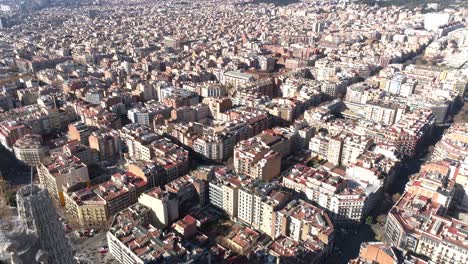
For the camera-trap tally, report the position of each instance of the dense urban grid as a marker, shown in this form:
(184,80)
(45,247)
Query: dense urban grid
(233,131)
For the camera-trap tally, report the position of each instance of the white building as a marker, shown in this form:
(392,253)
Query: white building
(164,207)
(145,115)
(433,21)
(346,201)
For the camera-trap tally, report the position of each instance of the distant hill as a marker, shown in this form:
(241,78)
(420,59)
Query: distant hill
(417,3)
(275,2)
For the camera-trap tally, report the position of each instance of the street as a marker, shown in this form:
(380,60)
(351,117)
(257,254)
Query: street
(88,248)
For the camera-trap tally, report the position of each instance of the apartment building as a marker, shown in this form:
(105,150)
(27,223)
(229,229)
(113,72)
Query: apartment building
(11,131)
(335,149)
(96,116)
(278,139)
(243,241)
(137,139)
(79,131)
(144,115)
(414,224)
(86,154)
(359,93)
(176,98)
(194,113)
(223,191)
(207,89)
(437,181)
(42,119)
(215,145)
(94,206)
(408,134)
(150,171)
(253,158)
(302,222)
(319,145)
(453,143)
(257,201)
(257,119)
(163,204)
(283,110)
(383,112)
(353,146)
(85,208)
(106,142)
(236,78)
(372,167)
(190,192)
(61,170)
(173,159)
(30,149)
(217,105)
(345,200)
(230,190)
(127,247)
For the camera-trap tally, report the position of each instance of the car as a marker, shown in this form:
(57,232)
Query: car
(103,250)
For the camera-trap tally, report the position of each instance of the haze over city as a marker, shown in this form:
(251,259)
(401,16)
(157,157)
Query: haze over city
(233,131)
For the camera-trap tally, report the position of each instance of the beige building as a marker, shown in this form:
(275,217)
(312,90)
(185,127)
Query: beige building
(61,170)
(106,143)
(302,223)
(283,110)
(79,131)
(86,207)
(243,241)
(335,147)
(453,144)
(319,145)
(163,205)
(257,203)
(230,197)
(254,159)
(353,146)
(223,192)
(94,206)
(236,78)
(383,112)
(30,149)
(138,140)
(216,146)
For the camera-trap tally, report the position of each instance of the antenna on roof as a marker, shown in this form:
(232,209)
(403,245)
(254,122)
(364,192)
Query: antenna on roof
(30,198)
(120,154)
(32,175)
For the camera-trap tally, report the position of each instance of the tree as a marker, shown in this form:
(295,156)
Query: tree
(430,149)
(7,193)
(396,197)
(381,219)
(379,235)
(4,208)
